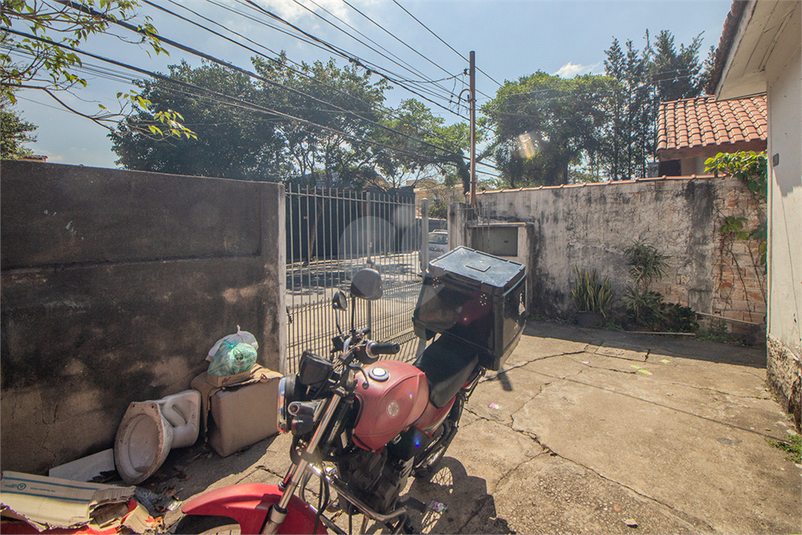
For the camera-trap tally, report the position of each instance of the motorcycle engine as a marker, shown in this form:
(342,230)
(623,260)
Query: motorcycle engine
(375,478)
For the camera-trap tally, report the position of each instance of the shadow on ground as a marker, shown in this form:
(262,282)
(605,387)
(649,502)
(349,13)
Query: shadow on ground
(664,344)
(468,506)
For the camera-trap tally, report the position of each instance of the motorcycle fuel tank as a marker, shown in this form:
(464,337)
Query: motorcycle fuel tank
(396,396)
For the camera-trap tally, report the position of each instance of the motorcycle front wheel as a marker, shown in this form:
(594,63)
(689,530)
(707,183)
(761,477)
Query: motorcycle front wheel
(207,525)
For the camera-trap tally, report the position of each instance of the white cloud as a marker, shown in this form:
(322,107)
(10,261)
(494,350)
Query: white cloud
(569,70)
(293,12)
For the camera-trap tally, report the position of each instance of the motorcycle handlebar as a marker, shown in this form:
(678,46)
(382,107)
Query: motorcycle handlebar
(383,348)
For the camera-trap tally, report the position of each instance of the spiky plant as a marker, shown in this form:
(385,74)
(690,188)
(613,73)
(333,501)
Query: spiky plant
(589,294)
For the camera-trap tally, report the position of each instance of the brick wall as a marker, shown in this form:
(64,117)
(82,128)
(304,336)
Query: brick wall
(739,278)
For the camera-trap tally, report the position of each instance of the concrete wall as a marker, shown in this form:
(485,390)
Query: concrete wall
(784,99)
(590,225)
(115,284)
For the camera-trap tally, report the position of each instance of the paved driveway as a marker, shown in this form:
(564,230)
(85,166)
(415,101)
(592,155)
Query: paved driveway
(590,431)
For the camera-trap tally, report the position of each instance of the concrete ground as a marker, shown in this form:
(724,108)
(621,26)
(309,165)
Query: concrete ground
(588,431)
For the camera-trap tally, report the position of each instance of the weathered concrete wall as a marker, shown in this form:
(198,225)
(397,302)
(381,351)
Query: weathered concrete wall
(591,225)
(115,284)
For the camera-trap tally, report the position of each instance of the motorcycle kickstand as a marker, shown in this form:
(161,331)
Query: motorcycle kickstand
(403,526)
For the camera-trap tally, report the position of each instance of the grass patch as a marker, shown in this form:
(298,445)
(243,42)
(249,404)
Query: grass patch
(793,446)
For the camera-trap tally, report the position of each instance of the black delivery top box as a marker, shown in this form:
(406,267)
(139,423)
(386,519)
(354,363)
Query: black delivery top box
(476,298)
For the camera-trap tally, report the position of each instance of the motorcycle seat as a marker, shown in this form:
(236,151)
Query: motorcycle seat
(447,365)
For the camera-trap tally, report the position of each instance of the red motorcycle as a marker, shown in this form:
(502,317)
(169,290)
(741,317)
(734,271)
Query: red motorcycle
(362,425)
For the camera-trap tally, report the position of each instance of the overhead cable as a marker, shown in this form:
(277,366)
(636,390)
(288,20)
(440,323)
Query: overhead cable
(441,40)
(234,101)
(301,73)
(254,75)
(401,63)
(350,57)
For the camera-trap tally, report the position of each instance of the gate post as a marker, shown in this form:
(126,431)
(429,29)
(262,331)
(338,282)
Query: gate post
(424,233)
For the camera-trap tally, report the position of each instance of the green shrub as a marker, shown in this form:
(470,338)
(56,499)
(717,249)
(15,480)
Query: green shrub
(589,294)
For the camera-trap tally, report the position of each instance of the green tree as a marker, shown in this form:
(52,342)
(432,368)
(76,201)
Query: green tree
(232,140)
(337,109)
(676,74)
(428,147)
(15,133)
(309,124)
(55,24)
(545,124)
(659,73)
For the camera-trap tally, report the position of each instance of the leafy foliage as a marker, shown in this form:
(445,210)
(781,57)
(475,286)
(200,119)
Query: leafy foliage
(229,140)
(750,228)
(308,125)
(678,318)
(550,130)
(646,307)
(749,167)
(589,294)
(643,307)
(55,25)
(645,264)
(793,446)
(15,133)
(644,79)
(51,65)
(544,124)
(677,74)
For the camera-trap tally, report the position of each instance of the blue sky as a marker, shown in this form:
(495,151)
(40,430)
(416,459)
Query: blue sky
(511,38)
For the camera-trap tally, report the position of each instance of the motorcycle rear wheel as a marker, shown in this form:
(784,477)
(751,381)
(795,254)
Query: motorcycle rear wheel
(207,525)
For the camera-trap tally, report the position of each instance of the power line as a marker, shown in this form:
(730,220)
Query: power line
(213,59)
(405,65)
(391,34)
(387,110)
(244,71)
(442,41)
(350,57)
(301,73)
(229,100)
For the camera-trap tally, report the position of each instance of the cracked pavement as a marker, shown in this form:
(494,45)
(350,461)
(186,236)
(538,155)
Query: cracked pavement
(590,431)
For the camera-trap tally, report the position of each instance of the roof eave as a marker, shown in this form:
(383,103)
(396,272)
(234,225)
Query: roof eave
(734,28)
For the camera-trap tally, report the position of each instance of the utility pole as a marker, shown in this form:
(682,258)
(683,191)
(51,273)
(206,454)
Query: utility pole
(472,98)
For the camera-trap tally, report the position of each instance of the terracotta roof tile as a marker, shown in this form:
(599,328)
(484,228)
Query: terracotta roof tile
(705,122)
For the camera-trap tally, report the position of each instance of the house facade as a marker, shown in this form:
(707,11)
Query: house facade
(761,52)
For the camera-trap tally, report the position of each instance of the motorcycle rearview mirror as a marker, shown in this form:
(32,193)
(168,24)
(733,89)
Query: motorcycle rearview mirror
(339,301)
(367,284)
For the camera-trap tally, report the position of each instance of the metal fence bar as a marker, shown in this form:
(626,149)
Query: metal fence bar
(331,235)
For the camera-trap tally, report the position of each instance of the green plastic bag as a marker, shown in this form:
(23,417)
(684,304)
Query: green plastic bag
(232,358)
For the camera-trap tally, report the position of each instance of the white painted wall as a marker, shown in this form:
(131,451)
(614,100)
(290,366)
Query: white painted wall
(784,90)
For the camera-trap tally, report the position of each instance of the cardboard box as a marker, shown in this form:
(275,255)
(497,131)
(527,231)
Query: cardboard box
(229,379)
(243,415)
(49,502)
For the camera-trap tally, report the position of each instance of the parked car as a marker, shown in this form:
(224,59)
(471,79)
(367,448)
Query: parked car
(437,243)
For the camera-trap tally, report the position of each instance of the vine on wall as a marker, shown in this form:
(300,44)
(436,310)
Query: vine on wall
(743,234)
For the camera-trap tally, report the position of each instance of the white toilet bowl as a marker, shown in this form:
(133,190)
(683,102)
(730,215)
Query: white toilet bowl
(182,410)
(150,429)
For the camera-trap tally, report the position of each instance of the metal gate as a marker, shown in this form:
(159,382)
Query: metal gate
(331,234)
